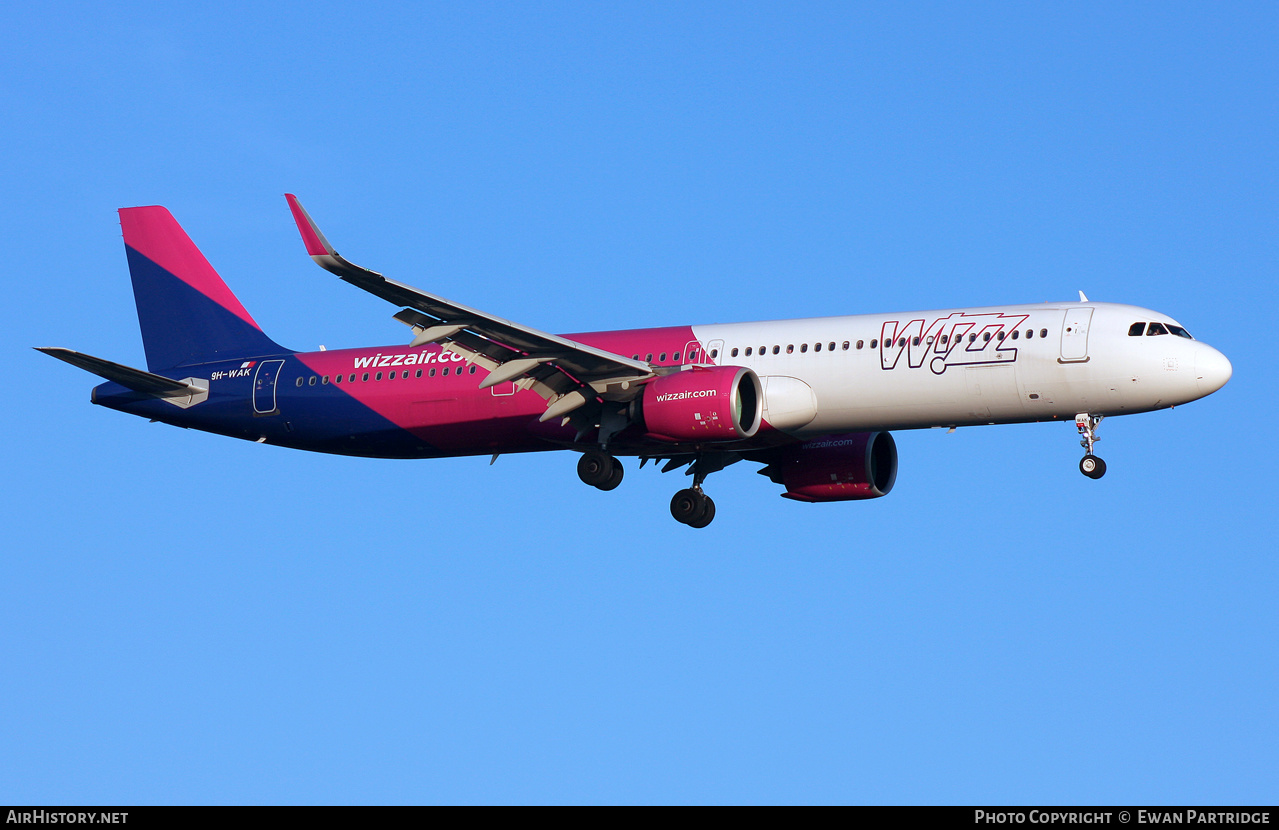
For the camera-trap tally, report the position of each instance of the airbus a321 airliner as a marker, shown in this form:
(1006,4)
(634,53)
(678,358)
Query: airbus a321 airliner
(812,400)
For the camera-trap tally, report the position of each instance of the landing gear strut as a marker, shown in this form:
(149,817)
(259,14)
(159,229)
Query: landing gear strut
(600,470)
(1090,465)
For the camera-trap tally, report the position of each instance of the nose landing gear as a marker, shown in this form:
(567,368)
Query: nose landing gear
(1090,465)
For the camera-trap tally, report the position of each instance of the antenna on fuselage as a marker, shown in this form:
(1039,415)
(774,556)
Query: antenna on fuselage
(1082,298)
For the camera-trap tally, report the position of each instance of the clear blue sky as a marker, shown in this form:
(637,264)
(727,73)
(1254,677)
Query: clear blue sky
(188,618)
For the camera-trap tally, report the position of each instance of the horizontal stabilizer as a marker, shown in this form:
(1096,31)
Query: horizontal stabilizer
(128,377)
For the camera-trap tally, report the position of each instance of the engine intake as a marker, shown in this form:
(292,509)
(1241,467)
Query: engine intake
(715,403)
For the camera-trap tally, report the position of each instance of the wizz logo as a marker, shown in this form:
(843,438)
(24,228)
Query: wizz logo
(956,340)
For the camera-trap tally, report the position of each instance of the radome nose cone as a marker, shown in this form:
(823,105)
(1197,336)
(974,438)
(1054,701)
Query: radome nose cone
(1212,370)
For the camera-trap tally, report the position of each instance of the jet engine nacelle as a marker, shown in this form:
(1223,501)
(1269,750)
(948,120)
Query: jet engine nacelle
(714,403)
(858,465)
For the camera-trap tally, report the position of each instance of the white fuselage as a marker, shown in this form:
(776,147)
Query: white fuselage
(955,367)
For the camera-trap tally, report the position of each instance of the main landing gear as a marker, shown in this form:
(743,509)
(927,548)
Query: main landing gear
(690,506)
(693,507)
(1090,465)
(600,470)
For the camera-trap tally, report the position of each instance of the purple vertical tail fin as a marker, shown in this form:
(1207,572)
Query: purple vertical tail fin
(187,313)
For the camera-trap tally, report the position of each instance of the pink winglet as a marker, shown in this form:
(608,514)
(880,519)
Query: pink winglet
(316,244)
(153,232)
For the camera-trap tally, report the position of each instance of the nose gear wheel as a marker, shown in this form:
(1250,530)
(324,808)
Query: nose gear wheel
(1090,465)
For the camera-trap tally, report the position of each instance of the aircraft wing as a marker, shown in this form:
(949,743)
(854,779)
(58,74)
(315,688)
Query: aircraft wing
(566,373)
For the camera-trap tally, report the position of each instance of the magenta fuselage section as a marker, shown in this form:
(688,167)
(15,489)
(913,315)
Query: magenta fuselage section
(433,397)
(426,402)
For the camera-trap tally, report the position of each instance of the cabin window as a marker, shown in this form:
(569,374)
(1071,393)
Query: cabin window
(733,353)
(432,373)
(379,376)
(901,342)
(1136,329)
(748,351)
(351,379)
(648,358)
(445,373)
(324,381)
(832,345)
(299,381)
(1030,334)
(817,347)
(1000,335)
(676,357)
(663,357)
(418,374)
(1043,332)
(472,371)
(874,343)
(337,378)
(714,353)
(803,348)
(972,338)
(790,348)
(914,341)
(1016,334)
(985,338)
(859,344)
(365,378)
(777,350)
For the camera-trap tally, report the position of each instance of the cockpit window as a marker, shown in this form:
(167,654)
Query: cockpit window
(1156,328)
(1136,329)
(1179,331)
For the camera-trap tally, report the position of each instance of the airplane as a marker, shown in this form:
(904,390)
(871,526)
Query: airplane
(812,400)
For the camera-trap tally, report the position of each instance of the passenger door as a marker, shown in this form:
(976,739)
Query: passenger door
(1074,335)
(264,387)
